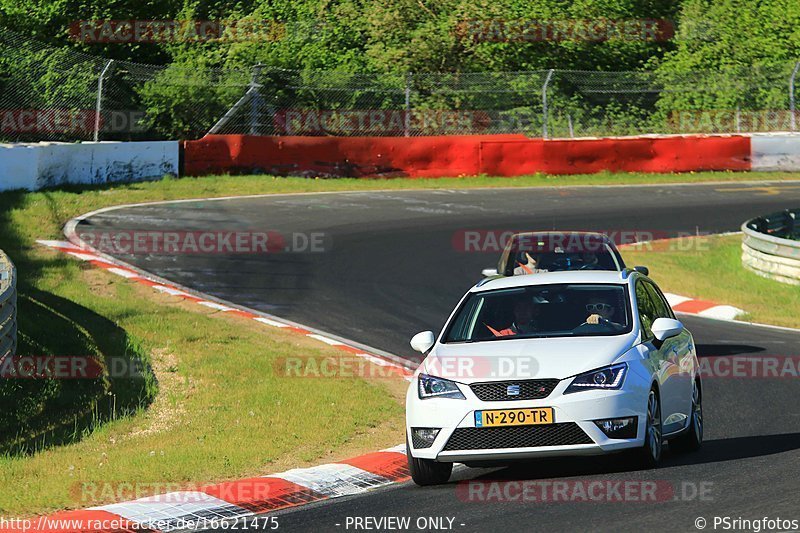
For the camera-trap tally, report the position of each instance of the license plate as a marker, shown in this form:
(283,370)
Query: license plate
(515,417)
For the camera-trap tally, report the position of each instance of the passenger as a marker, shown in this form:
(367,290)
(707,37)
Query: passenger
(529,267)
(526,317)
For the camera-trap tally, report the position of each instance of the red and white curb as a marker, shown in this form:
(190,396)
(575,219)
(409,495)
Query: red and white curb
(209,505)
(235,499)
(108,264)
(692,306)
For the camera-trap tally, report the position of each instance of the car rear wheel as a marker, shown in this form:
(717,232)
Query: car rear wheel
(427,471)
(649,455)
(693,438)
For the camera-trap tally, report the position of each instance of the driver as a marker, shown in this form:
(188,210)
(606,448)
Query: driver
(590,261)
(601,312)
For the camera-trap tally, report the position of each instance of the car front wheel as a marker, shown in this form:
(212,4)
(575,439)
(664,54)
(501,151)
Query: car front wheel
(693,438)
(649,455)
(427,471)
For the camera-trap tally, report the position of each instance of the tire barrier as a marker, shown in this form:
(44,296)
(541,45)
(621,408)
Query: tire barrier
(768,249)
(8,307)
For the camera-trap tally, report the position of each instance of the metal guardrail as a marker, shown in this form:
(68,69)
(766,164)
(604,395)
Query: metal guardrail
(771,246)
(8,307)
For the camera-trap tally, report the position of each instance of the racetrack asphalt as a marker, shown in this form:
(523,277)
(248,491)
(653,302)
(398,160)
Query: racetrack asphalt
(394,265)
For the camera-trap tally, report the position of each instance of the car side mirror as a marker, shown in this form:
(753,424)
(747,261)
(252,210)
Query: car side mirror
(642,270)
(664,328)
(423,341)
(489,272)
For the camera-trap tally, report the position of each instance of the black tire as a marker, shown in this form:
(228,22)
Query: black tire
(649,455)
(427,471)
(692,440)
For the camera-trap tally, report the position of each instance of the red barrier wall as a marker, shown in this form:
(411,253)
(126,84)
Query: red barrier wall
(634,154)
(498,155)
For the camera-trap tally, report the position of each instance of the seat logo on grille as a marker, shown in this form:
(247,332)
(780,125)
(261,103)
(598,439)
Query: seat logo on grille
(512,390)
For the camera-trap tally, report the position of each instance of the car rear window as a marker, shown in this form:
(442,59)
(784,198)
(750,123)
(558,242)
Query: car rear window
(531,253)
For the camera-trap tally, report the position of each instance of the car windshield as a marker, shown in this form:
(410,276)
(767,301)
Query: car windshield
(564,310)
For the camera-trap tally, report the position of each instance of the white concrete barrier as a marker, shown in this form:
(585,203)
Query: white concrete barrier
(775,151)
(35,166)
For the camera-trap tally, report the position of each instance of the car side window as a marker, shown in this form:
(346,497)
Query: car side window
(660,296)
(660,307)
(647,313)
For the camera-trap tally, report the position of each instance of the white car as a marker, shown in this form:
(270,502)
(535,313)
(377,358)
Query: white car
(554,364)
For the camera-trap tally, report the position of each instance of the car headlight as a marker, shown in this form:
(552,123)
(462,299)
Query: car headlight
(432,387)
(609,378)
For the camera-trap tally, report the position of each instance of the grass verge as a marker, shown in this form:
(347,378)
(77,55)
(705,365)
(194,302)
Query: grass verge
(711,268)
(211,406)
(222,409)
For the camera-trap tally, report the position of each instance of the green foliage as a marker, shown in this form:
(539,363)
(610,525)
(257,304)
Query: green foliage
(744,52)
(361,35)
(728,55)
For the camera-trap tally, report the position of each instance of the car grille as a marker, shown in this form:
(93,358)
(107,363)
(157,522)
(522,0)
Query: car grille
(563,434)
(529,389)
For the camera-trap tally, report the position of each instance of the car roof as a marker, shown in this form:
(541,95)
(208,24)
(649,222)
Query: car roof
(552,278)
(592,235)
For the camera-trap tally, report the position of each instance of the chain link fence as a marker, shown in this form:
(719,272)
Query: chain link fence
(60,94)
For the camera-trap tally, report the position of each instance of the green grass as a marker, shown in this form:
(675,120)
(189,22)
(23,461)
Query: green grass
(220,411)
(210,406)
(711,268)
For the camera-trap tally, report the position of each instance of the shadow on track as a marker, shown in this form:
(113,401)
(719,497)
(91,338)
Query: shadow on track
(713,451)
(721,350)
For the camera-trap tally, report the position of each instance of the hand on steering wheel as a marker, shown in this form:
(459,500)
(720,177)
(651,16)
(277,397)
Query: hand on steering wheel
(595,319)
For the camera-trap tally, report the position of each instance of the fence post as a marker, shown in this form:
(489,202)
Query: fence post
(407,121)
(544,102)
(738,119)
(255,100)
(791,95)
(99,104)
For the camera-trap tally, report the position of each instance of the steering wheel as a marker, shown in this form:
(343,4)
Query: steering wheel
(566,263)
(604,323)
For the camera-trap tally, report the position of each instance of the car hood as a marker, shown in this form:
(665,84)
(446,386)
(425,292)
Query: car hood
(510,359)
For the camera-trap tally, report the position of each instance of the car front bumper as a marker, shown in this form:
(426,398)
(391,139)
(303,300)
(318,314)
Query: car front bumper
(574,431)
